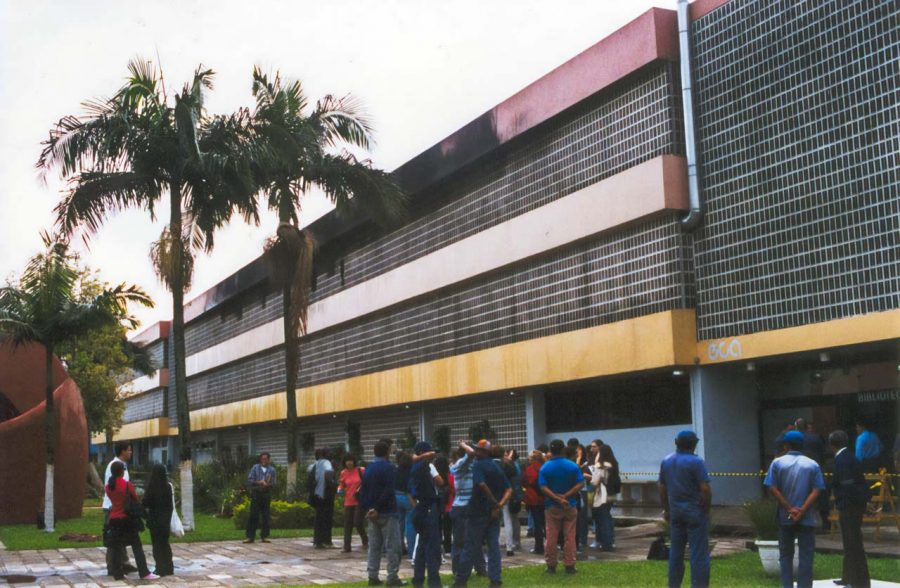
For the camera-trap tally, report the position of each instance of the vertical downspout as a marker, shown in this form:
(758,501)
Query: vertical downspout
(692,220)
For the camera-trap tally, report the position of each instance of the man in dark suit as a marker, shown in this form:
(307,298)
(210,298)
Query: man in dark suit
(850,497)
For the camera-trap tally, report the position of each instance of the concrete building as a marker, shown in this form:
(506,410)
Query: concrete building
(546,280)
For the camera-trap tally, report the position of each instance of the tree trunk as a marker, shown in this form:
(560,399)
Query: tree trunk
(51,439)
(110,454)
(291,357)
(181,393)
(94,478)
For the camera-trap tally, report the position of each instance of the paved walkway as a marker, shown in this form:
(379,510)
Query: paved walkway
(284,561)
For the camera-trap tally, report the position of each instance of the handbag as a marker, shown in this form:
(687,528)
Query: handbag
(134,511)
(175,525)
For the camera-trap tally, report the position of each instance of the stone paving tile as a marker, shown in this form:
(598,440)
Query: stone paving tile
(284,561)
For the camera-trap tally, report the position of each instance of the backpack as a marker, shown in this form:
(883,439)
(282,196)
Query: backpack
(311,483)
(613,481)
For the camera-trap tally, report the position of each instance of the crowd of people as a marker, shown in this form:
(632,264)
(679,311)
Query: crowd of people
(442,510)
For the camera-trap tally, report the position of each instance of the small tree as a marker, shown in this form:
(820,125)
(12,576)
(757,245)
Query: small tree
(482,430)
(44,308)
(100,361)
(354,438)
(441,439)
(409,440)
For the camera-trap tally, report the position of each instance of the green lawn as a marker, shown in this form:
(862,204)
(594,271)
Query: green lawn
(742,570)
(209,528)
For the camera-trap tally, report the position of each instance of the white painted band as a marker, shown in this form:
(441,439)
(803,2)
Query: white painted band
(630,195)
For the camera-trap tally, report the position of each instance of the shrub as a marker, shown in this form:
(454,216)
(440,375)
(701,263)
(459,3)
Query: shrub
(762,514)
(285,515)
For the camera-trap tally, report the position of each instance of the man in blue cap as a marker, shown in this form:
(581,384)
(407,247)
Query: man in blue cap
(423,483)
(686,497)
(795,482)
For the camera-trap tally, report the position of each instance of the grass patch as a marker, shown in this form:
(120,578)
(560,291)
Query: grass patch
(743,570)
(209,528)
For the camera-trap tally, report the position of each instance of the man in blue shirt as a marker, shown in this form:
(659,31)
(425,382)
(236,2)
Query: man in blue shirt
(423,483)
(261,480)
(795,482)
(490,493)
(868,448)
(560,481)
(686,497)
(376,499)
(462,483)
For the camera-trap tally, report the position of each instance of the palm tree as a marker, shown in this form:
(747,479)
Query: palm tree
(127,152)
(45,308)
(303,153)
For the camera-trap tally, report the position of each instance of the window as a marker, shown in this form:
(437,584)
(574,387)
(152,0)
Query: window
(619,403)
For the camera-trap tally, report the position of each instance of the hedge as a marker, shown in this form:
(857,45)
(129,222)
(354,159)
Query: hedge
(287,515)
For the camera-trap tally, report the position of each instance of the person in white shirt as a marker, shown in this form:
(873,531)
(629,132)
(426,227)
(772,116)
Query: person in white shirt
(123,455)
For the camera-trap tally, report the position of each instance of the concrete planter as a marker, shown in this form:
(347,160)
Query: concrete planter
(768,555)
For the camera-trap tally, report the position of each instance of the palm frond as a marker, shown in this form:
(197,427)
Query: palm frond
(93,196)
(289,255)
(139,357)
(140,90)
(165,263)
(342,120)
(351,184)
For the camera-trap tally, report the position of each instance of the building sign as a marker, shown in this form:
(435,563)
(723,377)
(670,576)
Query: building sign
(879,396)
(725,350)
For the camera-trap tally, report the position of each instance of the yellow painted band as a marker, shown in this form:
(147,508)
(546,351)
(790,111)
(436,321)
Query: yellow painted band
(643,343)
(867,328)
(138,430)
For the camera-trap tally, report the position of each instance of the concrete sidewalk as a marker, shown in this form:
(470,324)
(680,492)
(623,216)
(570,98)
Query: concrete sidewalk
(284,561)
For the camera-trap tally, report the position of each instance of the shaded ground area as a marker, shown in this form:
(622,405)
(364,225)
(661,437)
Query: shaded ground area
(294,561)
(284,561)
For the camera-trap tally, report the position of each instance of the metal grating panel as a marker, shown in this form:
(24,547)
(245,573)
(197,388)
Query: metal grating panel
(145,406)
(799,134)
(633,123)
(505,413)
(388,423)
(639,271)
(271,437)
(231,319)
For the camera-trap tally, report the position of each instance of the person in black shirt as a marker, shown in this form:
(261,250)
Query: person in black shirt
(158,503)
(850,497)
(423,483)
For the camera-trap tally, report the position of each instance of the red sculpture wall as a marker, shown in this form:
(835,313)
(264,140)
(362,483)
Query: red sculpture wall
(23,444)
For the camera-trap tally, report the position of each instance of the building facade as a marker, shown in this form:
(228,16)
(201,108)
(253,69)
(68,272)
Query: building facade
(546,282)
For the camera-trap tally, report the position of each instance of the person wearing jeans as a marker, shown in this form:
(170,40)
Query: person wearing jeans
(560,481)
(461,471)
(405,503)
(686,497)
(424,481)
(604,462)
(376,497)
(490,493)
(795,482)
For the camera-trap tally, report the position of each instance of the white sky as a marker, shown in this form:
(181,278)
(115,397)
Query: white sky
(422,70)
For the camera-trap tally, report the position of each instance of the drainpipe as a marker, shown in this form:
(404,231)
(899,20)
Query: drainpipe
(693,218)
